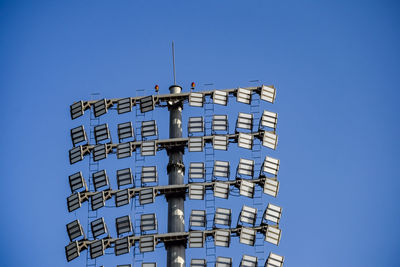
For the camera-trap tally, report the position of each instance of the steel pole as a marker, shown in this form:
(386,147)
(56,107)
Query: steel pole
(176,223)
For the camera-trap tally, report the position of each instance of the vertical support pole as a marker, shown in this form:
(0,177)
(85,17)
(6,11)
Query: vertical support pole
(176,217)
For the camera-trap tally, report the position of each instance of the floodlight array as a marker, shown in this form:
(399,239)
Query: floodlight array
(123,225)
(125,130)
(122,198)
(220,123)
(198,218)
(98,227)
(196,170)
(100,108)
(195,125)
(149,128)
(244,121)
(196,99)
(97,249)
(274,260)
(124,105)
(220,97)
(124,177)
(98,200)
(198,263)
(146,104)
(78,135)
(75,230)
(148,222)
(122,246)
(77,183)
(101,132)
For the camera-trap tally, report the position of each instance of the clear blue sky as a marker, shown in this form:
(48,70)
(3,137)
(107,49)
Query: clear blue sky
(335,65)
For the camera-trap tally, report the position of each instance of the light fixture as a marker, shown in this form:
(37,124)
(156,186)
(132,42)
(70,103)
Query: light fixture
(243,96)
(149,128)
(98,227)
(149,174)
(248,261)
(146,196)
(270,140)
(124,105)
(100,108)
(247,236)
(244,121)
(196,144)
(149,264)
(123,225)
(196,170)
(269,119)
(223,216)
(220,142)
(77,183)
(268,93)
(75,154)
(147,243)
(100,179)
(196,99)
(101,132)
(148,148)
(76,110)
(222,238)
(273,235)
(273,213)
(125,130)
(196,239)
(99,152)
(122,198)
(245,140)
(270,165)
(122,246)
(221,169)
(195,125)
(246,188)
(124,177)
(223,262)
(248,215)
(146,103)
(148,222)
(274,260)
(271,186)
(198,263)
(96,249)
(124,150)
(219,123)
(196,191)
(78,135)
(220,97)
(124,265)
(72,251)
(73,202)
(221,190)
(75,230)
(245,167)
(197,218)
(98,200)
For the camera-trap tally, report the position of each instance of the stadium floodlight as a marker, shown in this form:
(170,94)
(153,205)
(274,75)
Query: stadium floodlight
(219,123)
(198,263)
(148,222)
(248,261)
(273,235)
(195,125)
(222,238)
(221,190)
(124,150)
(243,96)
(77,183)
(78,135)
(147,243)
(268,94)
(72,251)
(221,169)
(98,200)
(97,248)
(196,99)
(125,130)
(100,108)
(146,103)
(75,230)
(248,215)
(100,179)
(223,262)
(274,260)
(122,198)
(122,246)
(220,142)
(270,165)
(149,174)
(273,213)
(101,132)
(149,128)
(73,202)
(98,227)
(124,177)
(196,191)
(124,265)
(269,119)
(99,152)
(196,170)
(245,140)
(123,225)
(76,110)
(244,121)
(149,264)
(271,186)
(148,148)
(246,188)
(223,216)
(245,167)
(247,236)
(124,105)
(270,140)
(75,154)
(196,239)
(197,218)
(220,97)
(196,144)
(146,196)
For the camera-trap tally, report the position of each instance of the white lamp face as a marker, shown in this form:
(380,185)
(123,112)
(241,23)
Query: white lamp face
(125,130)
(146,104)
(124,105)
(220,97)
